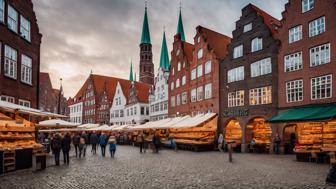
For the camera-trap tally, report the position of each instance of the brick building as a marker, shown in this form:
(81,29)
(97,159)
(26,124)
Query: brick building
(249,78)
(20,41)
(307,67)
(194,77)
(50,99)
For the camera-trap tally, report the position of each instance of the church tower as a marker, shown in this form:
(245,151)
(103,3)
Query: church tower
(146,57)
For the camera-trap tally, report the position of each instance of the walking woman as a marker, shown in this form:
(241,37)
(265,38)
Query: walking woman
(113,146)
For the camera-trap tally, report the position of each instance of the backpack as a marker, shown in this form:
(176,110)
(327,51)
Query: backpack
(56,144)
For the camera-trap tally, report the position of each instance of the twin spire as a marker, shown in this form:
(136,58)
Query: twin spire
(145,36)
(164,58)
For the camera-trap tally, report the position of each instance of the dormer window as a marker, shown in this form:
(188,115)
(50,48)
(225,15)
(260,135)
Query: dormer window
(307,5)
(247,27)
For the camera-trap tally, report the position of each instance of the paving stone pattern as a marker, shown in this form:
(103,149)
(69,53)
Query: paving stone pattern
(169,169)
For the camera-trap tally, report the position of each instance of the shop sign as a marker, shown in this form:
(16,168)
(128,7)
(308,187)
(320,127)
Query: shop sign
(236,113)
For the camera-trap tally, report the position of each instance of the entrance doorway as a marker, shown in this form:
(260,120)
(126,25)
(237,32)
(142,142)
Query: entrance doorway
(289,138)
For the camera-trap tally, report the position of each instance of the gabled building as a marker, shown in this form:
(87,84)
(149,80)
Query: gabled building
(158,97)
(117,111)
(248,82)
(20,42)
(179,77)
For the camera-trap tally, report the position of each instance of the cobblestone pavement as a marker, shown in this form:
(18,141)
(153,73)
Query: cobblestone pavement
(169,169)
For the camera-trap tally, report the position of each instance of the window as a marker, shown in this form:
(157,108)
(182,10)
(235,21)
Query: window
(317,26)
(261,67)
(200,54)
(256,44)
(172,86)
(25,28)
(178,99)
(198,39)
(199,70)
(24,103)
(247,27)
(173,71)
(179,66)
(321,87)
(26,69)
(293,62)
(172,101)
(207,67)
(10,62)
(142,110)
(208,91)
(12,19)
(294,90)
(261,95)
(236,98)
(307,5)
(184,98)
(184,80)
(200,93)
(177,83)
(295,34)
(8,99)
(135,110)
(193,95)
(2,11)
(177,52)
(320,55)
(193,74)
(236,74)
(238,51)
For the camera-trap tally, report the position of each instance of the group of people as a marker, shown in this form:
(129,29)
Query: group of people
(62,142)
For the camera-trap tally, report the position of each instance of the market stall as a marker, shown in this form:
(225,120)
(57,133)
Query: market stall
(259,135)
(233,134)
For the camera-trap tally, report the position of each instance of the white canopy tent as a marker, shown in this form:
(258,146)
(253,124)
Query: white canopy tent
(56,122)
(88,126)
(194,121)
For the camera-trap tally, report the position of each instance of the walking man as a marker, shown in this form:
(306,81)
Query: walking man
(277,142)
(56,145)
(220,142)
(93,141)
(66,142)
(86,142)
(103,142)
(75,142)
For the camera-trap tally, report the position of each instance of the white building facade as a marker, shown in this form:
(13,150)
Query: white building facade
(76,113)
(117,110)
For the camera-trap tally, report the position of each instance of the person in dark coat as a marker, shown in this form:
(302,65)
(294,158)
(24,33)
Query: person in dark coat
(86,140)
(66,142)
(75,142)
(56,145)
(103,142)
(156,142)
(93,141)
(141,141)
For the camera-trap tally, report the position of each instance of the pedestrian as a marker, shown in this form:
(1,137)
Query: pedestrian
(173,143)
(93,141)
(141,141)
(66,142)
(113,146)
(75,142)
(277,142)
(56,145)
(81,146)
(220,141)
(156,142)
(86,142)
(103,142)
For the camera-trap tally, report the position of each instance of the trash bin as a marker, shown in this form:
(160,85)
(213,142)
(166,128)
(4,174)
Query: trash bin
(39,162)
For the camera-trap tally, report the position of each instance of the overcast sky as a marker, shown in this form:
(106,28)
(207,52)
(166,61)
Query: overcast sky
(104,35)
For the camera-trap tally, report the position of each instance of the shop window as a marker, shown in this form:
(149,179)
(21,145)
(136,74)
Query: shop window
(295,34)
(321,87)
(293,62)
(294,90)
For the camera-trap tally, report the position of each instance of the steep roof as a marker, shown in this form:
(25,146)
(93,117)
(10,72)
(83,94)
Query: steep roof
(131,73)
(180,29)
(145,36)
(142,91)
(272,23)
(164,58)
(217,41)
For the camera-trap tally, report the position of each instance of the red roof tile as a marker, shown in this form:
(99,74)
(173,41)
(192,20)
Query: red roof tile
(217,41)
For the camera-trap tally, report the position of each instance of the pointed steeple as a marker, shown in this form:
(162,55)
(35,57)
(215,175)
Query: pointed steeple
(135,79)
(145,36)
(180,29)
(131,73)
(164,59)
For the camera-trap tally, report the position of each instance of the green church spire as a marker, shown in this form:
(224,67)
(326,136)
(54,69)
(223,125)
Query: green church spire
(180,29)
(131,73)
(145,36)
(164,59)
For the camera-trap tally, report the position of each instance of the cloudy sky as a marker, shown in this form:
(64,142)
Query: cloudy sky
(104,35)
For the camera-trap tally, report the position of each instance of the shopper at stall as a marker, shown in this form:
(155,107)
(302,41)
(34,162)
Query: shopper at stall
(173,143)
(103,142)
(66,142)
(113,146)
(220,141)
(93,141)
(277,142)
(75,142)
(56,145)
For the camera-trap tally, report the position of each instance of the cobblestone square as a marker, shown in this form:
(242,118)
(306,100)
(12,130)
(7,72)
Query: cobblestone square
(169,169)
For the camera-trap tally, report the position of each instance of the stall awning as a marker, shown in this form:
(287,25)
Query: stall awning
(313,113)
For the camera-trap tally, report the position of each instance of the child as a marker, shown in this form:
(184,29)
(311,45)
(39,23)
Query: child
(113,146)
